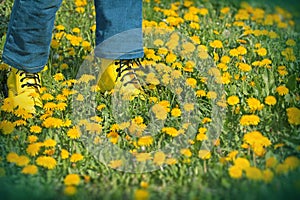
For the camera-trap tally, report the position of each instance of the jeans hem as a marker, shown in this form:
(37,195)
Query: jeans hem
(125,55)
(13,64)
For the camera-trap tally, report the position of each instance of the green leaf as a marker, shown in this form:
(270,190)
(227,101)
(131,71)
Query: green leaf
(292,82)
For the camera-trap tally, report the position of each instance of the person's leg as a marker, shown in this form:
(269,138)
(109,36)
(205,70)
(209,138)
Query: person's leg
(29,34)
(26,49)
(119,29)
(118,37)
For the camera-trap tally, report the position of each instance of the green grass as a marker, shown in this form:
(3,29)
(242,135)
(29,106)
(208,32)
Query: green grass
(191,177)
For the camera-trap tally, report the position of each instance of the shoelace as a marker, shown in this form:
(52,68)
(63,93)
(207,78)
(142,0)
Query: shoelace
(126,68)
(34,76)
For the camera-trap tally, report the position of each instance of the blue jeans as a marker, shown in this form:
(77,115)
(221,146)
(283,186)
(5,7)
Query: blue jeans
(31,23)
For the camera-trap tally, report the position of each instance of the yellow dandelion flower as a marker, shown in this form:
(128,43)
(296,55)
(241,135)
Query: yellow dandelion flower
(244,67)
(76,157)
(203,54)
(196,26)
(203,11)
(225,59)
(54,44)
(171,161)
(32,138)
(12,157)
(201,137)
(70,190)
(152,79)
(188,107)
(58,77)
(86,45)
(211,95)
(47,97)
(145,140)
(61,97)
(262,51)
(186,152)
(216,44)
(159,111)
(267,175)
(188,47)
(141,194)
(33,149)
(115,164)
(191,82)
(35,129)
(72,179)
(20,122)
(49,152)
(85,78)
(270,100)
(222,66)
(30,169)
(242,50)
(290,42)
(176,112)
(64,66)
(225,10)
(171,57)
(200,93)
(282,90)
(281,168)
(171,131)
(271,162)
(74,132)
(144,184)
(67,123)
(8,105)
(206,120)
(247,120)
(142,157)
(233,100)
(292,162)
(254,173)
(49,143)
(80,97)
(52,122)
(254,104)
(7,127)
(235,172)
(22,161)
(293,114)
(158,42)
(61,106)
(64,154)
(60,27)
(101,107)
(234,52)
(242,163)
(21,112)
(46,162)
(159,158)
(204,154)
(232,155)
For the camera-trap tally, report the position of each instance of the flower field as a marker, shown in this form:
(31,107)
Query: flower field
(218,117)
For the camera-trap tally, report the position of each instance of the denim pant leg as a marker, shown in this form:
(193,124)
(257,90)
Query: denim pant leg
(119,29)
(29,34)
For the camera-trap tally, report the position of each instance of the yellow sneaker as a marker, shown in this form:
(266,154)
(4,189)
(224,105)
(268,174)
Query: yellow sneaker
(24,89)
(107,81)
(120,76)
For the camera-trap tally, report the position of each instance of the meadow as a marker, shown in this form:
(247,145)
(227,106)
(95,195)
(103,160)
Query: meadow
(218,117)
